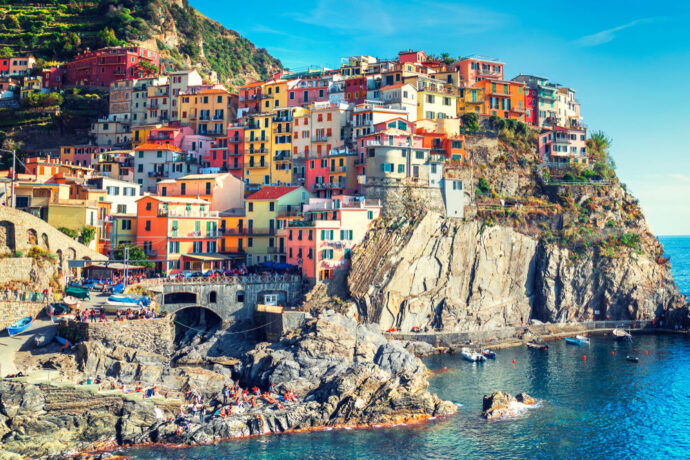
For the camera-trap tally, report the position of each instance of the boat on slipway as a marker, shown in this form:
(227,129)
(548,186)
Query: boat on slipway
(60,312)
(19,326)
(471,355)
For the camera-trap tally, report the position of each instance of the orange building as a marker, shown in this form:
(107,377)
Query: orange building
(505,99)
(178,233)
(448,146)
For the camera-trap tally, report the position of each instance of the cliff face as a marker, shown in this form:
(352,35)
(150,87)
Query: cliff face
(558,252)
(454,276)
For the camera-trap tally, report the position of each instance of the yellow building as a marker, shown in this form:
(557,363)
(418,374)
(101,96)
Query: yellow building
(435,99)
(213,110)
(471,100)
(263,210)
(281,166)
(275,93)
(140,134)
(123,230)
(258,149)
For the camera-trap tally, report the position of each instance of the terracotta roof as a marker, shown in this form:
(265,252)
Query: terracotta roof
(395,86)
(270,192)
(158,147)
(252,85)
(214,91)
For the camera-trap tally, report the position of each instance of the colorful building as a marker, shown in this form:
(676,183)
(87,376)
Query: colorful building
(475,68)
(223,191)
(322,240)
(563,146)
(176,232)
(504,99)
(263,210)
(101,67)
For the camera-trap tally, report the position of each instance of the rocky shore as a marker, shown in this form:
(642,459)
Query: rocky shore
(343,374)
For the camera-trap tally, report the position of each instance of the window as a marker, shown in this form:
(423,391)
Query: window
(430,98)
(419,155)
(147,227)
(250,207)
(126,224)
(271,206)
(327,254)
(327,235)
(387,167)
(346,235)
(250,242)
(401,168)
(148,206)
(240,296)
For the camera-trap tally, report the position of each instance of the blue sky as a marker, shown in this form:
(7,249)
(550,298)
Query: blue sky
(628,61)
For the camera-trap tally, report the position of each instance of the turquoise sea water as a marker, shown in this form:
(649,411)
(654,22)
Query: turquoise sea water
(601,407)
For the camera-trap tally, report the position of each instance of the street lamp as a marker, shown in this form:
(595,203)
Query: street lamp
(14,172)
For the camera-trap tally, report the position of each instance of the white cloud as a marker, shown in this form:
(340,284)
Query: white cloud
(608,35)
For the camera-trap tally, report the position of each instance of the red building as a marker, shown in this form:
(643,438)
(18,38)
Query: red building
(227,152)
(250,98)
(356,90)
(53,78)
(102,67)
(5,66)
(412,56)
(316,175)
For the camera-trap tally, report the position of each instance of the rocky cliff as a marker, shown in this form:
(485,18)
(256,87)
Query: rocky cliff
(343,374)
(529,248)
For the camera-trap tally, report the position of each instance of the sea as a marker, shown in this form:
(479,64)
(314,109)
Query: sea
(592,403)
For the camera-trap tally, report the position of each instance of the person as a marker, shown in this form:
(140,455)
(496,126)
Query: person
(202,417)
(253,401)
(137,389)
(221,412)
(65,346)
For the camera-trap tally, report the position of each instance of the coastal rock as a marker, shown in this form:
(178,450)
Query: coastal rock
(344,373)
(500,405)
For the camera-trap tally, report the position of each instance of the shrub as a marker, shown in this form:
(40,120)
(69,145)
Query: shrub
(483,185)
(69,232)
(470,121)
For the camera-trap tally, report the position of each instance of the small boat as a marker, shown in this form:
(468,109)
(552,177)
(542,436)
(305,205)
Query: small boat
(621,334)
(19,326)
(80,292)
(537,346)
(60,312)
(577,340)
(143,300)
(61,340)
(633,359)
(44,338)
(488,353)
(71,301)
(113,307)
(471,355)
(582,339)
(119,288)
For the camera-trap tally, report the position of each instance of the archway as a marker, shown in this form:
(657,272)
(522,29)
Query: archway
(44,238)
(179,297)
(71,254)
(193,320)
(7,236)
(32,237)
(212,297)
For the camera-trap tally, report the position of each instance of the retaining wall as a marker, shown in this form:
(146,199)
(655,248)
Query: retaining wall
(12,310)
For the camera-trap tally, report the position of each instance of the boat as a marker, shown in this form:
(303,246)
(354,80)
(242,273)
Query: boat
(61,340)
(143,300)
(113,307)
(633,359)
(119,288)
(471,355)
(577,340)
(488,353)
(537,346)
(621,334)
(44,338)
(71,301)
(60,312)
(19,326)
(80,292)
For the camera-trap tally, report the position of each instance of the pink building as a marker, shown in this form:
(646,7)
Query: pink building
(305,91)
(170,135)
(563,145)
(475,68)
(53,78)
(412,56)
(321,241)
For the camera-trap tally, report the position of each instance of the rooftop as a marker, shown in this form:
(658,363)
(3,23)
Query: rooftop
(270,192)
(170,147)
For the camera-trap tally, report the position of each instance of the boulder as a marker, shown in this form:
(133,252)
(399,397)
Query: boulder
(500,405)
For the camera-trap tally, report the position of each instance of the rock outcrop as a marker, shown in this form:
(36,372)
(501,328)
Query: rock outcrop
(500,405)
(342,372)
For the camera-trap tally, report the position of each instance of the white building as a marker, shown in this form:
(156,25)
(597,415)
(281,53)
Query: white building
(120,194)
(153,163)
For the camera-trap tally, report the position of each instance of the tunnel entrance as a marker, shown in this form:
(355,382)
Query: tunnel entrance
(195,320)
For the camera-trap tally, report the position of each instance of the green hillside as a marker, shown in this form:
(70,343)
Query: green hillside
(55,30)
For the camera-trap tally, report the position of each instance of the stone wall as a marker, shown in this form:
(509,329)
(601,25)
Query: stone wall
(232,300)
(20,231)
(11,311)
(150,335)
(15,269)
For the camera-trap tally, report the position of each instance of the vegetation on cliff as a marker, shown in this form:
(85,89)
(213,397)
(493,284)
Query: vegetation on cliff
(56,31)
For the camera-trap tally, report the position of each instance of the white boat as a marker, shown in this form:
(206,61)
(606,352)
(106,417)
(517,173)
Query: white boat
(113,307)
(621,334)
(471,355)
(582,339)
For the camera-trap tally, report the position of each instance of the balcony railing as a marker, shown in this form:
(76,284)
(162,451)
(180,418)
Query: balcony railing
(162,212)
(320,139)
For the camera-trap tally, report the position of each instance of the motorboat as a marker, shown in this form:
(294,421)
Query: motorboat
(80,292)
(488,353)
(537,346)
(577,340)
(143,300)
(633,359)
(621,334)
(471,355)
(114,307)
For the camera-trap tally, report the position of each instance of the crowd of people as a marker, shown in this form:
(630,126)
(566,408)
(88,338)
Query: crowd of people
(98,315)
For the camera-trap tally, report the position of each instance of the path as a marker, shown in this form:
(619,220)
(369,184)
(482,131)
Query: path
(10,345)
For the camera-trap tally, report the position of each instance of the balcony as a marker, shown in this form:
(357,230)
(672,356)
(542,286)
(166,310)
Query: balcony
(283,118)
(218,118)
(196,213)
(204,117)
(320,139)
(150,253)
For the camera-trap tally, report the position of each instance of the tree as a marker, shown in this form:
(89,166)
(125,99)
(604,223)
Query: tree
(598,146)
(137,256)
(106,37)
(87,235)
(69,232)
(470,121)
(447,58)
(5,52)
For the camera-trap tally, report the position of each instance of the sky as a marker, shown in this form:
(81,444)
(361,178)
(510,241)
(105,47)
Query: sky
(629,62)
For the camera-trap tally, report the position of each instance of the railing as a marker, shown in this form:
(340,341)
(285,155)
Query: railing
(222,279)
(162,212)
(320,139)
(218,118)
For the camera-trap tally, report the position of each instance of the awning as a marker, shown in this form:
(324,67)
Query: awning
(209,257)
(117,266)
